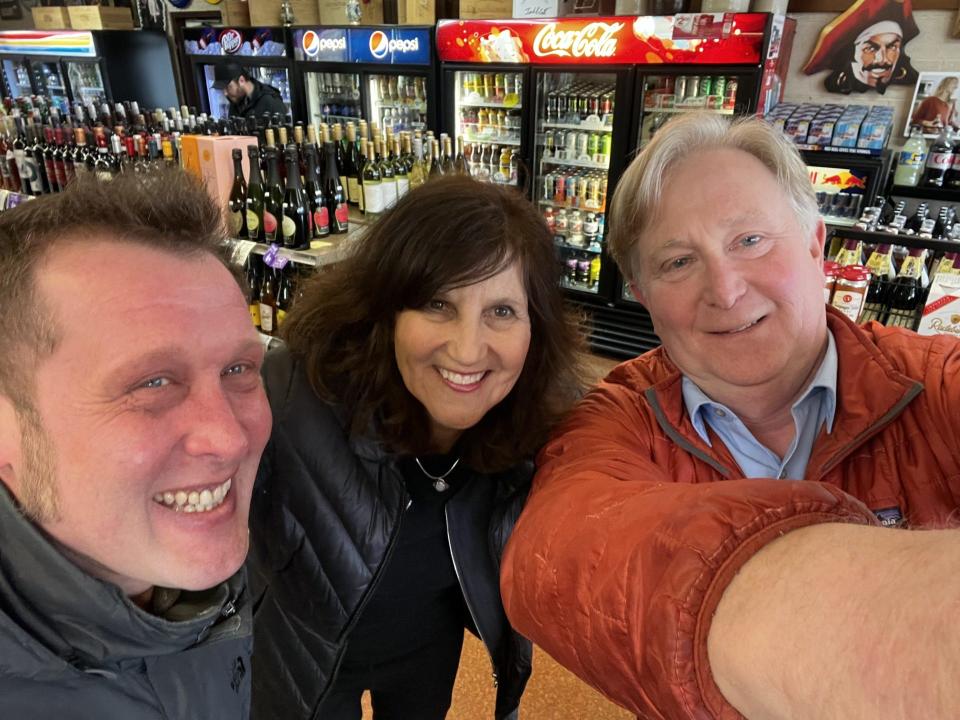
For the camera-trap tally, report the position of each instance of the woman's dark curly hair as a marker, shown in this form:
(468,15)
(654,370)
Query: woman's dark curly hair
(448,233)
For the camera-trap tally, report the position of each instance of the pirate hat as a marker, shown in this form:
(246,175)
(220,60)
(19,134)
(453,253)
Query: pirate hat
(837,38)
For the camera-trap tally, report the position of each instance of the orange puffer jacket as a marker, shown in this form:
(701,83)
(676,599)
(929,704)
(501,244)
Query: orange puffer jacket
(628,539)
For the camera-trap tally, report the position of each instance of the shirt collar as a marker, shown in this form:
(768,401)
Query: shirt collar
(696,401)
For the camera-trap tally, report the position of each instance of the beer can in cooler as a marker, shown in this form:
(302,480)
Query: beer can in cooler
(593,193)
(548,186)
(593,146)
(719,85)
(693,87)
(706,86)
(593,104)
(570,196)
(562,103)
(560,144)
(559,187)
(603,192)
(606,145)
(606,103)
(680,87)
(572,145)
(730,95)
(583,105)
(583,185)
(583,144)
(548,146)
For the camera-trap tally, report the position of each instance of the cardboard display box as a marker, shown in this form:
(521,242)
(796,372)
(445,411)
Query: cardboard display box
(334,12)
(485,9)
(99,17)
(235,13)
(267,12)
(50,18)
(416,12)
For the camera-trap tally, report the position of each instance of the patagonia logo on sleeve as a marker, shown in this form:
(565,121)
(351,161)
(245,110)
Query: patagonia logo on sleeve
(889,517)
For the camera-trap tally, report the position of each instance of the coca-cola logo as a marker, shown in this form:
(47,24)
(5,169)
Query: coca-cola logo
(596,39)
(230,40)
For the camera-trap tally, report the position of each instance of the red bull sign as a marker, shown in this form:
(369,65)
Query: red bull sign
(717,38)
(833,180)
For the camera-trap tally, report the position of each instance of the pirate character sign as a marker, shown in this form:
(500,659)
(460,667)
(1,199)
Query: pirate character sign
(864,47)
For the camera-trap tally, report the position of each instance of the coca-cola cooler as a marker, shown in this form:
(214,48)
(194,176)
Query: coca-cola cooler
(75,66)
(588,93)
(383,74)
(262,51)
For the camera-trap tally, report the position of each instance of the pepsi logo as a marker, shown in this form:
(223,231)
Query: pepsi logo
(230,40)
(403,46)
(310,43)
(379,44)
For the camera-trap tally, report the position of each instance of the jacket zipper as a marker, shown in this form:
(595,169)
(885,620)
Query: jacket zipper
(873,429)
(363,603)
(466,596)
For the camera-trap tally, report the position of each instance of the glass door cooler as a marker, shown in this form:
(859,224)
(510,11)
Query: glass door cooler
(16,77)
(545,92)
(488,117)
(86,82)
(384,75)
(261,51)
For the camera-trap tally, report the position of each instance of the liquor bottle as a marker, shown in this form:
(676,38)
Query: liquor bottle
(911,160)
(446,160)
(361,164)
(62,169)
(268,301)
(238,198)
(460,165)
(49,166)
(350,161)
(915,221)
(272,199)
(295,221)
(436,170)
(373,203)
(938,159)
(333,197)
(319,217)
(284,294)
(103,165)
(388,178)
(400,170)
(337,139)
(255,197)
(254,278)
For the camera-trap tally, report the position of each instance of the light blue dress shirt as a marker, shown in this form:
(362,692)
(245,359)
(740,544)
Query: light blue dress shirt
(815,408)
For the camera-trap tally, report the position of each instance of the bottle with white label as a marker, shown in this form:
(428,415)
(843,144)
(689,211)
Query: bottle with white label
(372,185)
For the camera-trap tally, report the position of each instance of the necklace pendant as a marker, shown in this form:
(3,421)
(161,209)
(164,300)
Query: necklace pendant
(440,485)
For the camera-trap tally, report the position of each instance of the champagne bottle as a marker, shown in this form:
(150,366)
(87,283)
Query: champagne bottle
(333,197)
(372,192)
(255,197)
(238,198)
(400,170)
(295,221)
(319,219)
(350,162)
(388,177)
(272,198)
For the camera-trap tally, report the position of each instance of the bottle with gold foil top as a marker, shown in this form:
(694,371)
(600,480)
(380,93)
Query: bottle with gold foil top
(906,291)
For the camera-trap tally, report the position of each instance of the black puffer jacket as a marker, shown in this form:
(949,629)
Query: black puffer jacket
(263,99)
(326,511)
(75,648)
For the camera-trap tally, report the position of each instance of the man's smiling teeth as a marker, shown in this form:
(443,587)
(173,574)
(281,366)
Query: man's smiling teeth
(459,379)
(743,327)
(195,501)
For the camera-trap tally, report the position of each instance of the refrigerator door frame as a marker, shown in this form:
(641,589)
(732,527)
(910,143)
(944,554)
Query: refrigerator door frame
(448,121)
(198,61)
(621,143)
(104,75)
(17,58)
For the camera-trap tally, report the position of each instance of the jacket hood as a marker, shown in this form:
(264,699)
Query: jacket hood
(78,617)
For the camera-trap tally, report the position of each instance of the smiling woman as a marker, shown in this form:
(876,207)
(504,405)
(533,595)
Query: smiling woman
(420,377)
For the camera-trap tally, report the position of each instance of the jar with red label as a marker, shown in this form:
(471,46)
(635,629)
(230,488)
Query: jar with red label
(830,272)
(850,291)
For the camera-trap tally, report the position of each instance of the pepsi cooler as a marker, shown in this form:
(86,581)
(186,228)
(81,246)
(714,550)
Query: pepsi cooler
(383,74)
(262,51)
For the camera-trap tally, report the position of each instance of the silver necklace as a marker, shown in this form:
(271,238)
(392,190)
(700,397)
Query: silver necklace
(440,483)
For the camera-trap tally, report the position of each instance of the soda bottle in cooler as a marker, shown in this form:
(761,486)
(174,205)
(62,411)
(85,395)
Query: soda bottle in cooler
(939,159)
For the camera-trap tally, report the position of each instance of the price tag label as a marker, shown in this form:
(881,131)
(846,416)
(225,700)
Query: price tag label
(242,250)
